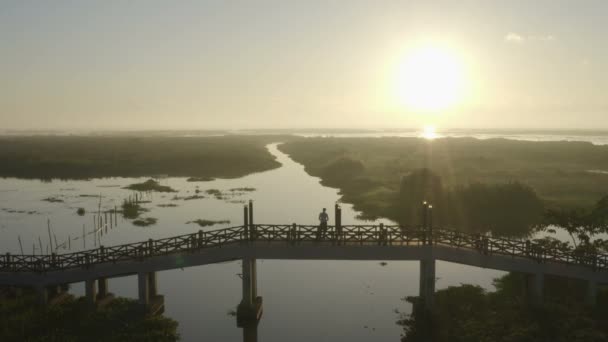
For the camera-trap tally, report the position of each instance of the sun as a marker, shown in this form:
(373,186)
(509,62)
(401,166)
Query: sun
(430,78)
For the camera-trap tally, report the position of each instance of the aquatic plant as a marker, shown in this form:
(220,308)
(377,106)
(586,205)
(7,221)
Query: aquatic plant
(53,200)
(144,222)
(207,223)
(149,185)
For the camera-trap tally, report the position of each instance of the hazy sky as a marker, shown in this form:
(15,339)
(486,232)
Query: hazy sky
(260,64)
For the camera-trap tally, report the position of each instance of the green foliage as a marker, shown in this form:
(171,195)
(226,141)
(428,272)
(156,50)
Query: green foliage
(467,313)
(73,157)
(496,185)
(122,320)
(557,171)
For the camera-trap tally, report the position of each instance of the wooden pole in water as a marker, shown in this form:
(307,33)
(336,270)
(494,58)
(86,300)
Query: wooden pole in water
(40,242)
(20,245)
(48,225)
(33,249)
(69,243)
(94,222)
(115,216)
(84,240)
(56,244)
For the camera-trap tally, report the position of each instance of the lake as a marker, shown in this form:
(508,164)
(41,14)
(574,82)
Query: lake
(303,300)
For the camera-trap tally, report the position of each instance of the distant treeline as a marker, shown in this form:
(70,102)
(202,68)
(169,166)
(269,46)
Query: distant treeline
(83,157)
(498,185)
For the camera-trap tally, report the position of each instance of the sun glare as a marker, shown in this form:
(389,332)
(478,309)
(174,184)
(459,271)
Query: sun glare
(429,132)
(430,79)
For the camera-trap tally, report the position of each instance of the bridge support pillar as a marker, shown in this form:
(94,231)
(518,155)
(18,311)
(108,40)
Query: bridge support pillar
(103,295)
(591,297)
(143,288)
(149,299)
(249,311)
(43,295)
(427,282)
(535,286)
(250,332)
(90,289)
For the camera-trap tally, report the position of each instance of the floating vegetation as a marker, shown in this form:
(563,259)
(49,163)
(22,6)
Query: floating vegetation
(53,200)
(199,179)
(131,210)
(168,205)
(193,197)
(207,223)
(150,185)
(237,201)
(245,189)
(109,186)
(383,263)
(187,198)
(87,195)
(215,193)
(15,211)
(229,194)
(144,222)
(80,211)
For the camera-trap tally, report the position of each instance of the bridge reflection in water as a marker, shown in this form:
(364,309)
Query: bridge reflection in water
(49,274)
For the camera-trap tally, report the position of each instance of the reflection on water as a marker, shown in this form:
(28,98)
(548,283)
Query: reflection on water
(303,300)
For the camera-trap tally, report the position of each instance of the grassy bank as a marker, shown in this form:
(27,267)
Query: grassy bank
(83,157)
(378,175)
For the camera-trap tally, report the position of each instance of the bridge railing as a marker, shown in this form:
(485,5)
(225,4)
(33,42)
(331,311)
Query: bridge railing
(297,234)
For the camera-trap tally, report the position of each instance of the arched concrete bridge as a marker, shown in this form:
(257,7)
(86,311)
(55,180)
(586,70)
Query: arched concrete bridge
(49,274)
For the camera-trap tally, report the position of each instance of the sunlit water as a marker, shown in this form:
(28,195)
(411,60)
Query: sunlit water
(303,300)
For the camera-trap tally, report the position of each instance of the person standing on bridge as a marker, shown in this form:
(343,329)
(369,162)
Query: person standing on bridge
(323,219)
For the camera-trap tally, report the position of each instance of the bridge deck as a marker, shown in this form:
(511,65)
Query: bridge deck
(376,242)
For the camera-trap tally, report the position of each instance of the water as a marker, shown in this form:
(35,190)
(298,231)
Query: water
(594,137)
(303,300)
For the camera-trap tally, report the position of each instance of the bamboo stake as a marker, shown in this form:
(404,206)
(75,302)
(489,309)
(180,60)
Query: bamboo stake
(48,225)
(20,245)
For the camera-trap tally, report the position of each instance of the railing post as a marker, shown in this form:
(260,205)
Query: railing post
(338,222)
(252,232)
(200,239)
(430,223)
(246,221)
(102,253)
(8,261)
(150,247)
(293,235)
